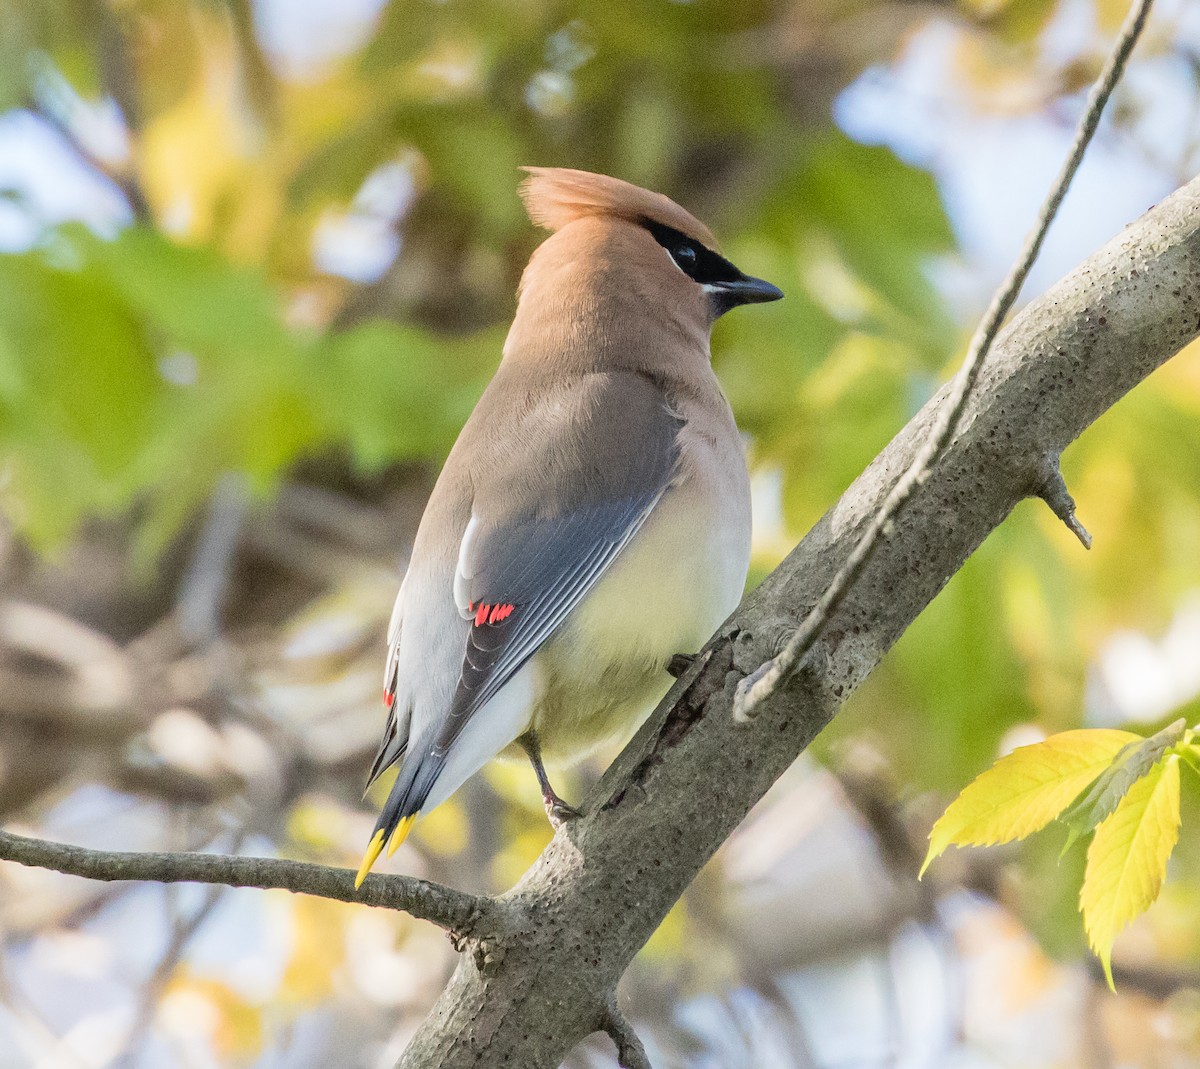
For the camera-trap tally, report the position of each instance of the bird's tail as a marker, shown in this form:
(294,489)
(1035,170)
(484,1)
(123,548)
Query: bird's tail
(405,801)
(375,847)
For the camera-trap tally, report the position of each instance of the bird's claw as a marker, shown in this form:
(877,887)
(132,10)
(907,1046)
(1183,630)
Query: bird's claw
(559,812)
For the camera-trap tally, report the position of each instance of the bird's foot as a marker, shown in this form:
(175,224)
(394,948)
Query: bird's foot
(559,812)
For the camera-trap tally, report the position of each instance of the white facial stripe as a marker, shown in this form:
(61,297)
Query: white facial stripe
(676,265)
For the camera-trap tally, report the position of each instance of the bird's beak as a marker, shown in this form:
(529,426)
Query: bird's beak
(747,290)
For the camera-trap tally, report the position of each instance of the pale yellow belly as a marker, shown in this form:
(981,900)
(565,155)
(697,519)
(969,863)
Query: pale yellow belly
(670,589)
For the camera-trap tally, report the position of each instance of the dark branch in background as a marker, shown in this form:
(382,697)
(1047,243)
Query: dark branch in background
(126,181)
(182,933)
(258,79)
(206,583)
(119,83)
(778,671)
(455,911)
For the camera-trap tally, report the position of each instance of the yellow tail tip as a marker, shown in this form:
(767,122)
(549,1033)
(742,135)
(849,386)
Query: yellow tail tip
(369,858)
(400,834)
(376,847)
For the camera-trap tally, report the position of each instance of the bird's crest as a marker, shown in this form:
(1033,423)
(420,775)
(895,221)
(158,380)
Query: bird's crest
(556,196)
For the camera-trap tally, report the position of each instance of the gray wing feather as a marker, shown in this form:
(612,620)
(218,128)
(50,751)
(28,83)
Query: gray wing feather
(595,461)
(551,566)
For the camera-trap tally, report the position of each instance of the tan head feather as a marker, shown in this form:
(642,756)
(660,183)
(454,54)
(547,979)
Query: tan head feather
(556,196)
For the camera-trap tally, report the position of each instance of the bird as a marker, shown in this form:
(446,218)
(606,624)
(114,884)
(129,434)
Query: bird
(592,520)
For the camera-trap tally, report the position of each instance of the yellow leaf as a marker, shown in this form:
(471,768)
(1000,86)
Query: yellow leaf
(520,852)
(1129,766)
(1127,859)
(192,152)
(204,1005)
(671,938)
(318,949)
(1110,14)
(1025,790)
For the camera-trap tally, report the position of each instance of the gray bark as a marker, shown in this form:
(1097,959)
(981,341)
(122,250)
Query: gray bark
(459,913)
(540,976)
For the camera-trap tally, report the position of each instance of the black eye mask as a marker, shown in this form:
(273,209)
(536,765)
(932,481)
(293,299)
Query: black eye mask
(726,286)
(699,263)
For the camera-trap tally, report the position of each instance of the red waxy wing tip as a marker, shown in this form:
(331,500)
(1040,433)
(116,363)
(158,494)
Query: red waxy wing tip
(490,614)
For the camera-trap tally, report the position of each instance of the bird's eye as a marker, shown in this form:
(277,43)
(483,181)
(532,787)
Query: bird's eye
(684,254)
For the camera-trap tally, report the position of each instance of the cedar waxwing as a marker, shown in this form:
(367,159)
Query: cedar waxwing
(593,518)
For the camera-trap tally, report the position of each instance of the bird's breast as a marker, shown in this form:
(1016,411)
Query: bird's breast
(668,591)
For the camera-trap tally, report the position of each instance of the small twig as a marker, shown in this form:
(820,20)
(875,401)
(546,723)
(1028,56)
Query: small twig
(93,679)
(631,1054)
(457,912)
(757,686)
(257,76)
(1053,490)
(127,183)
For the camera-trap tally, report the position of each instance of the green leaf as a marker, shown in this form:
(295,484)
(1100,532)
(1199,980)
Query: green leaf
(396,391)
(1025,790)
(887,221)
(1129,766)
(192,295)
(1127,858)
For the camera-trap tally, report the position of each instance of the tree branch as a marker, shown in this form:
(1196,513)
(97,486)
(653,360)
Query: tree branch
(783,667)
(550,952)
(461,914)
(606,880)
(631,1054)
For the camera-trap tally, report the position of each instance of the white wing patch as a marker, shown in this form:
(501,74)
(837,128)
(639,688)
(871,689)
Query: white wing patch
(395,733)
(391,668)
(465,572)
(393,631)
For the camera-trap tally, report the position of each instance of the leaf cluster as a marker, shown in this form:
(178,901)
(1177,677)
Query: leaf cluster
(1121,789)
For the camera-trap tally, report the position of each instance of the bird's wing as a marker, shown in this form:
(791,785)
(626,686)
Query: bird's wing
(524,585)
(543,530)
(527,560)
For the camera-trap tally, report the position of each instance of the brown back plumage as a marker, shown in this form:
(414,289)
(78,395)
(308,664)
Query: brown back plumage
(556,196)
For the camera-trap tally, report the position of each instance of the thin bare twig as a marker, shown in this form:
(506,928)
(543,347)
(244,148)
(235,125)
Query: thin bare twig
(1053,490)
(759,685)
(631,1054)
(127,183)
(456,911)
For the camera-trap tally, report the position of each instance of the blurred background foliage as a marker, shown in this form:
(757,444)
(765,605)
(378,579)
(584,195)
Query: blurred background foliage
(256,261)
